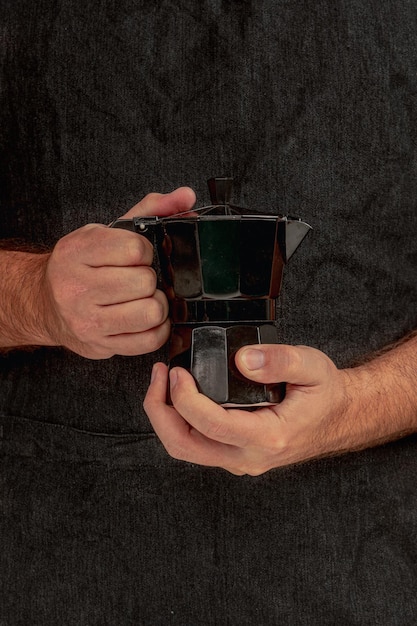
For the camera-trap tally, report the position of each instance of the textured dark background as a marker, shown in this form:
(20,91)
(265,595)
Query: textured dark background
(311,106)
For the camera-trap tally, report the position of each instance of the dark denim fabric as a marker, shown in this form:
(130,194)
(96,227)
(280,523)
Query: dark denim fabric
(105,529)
(311,106)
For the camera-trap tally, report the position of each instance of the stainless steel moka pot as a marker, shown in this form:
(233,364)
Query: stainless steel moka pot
(221,268)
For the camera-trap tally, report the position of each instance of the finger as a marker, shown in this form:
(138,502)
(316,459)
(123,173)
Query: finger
(179,438)
(167,422)
(96,245)
(181,199)
(298,365)
(135,344)
(134,317)
(119,248)
(231,427)
(114,285)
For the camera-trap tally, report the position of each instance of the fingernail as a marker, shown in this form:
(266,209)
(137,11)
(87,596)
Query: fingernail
(253,359)
(173,377)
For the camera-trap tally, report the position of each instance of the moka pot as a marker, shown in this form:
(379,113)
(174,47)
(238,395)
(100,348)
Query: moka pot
(221,268)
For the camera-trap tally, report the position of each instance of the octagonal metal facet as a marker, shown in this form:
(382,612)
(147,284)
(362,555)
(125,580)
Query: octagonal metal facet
(221,268)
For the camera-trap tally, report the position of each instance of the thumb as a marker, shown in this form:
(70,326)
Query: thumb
(297,365)
(163,204)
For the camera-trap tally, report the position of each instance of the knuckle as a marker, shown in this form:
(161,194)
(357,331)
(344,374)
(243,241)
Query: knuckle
(250,468)
(152,343)
(152,198)
(218,430)
(256,471)
(176,450)
(146,248)
(235,471)
(290,359)
(153,340)
(155,312)
(147,280)
(147,205)
(133,251)
(277,446)
(294,358)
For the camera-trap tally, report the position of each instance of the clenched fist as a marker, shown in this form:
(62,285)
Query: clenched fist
(95,293)
(103,294)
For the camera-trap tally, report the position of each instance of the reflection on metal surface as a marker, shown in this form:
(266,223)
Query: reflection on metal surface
(221,267)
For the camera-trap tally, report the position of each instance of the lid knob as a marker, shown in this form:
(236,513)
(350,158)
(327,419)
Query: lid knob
(220,190)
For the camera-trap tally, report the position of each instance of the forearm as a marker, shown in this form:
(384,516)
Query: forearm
(381,397)
(23,303)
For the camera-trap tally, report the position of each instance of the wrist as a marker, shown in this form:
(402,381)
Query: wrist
(24,310)
(380,399)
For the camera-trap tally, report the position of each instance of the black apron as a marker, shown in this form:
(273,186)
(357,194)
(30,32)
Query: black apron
(311,107)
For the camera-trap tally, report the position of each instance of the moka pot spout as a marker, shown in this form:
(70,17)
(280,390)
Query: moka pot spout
(295,232)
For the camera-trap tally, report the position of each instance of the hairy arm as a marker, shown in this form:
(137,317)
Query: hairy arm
(383,391)
(23,309)
(326,410)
